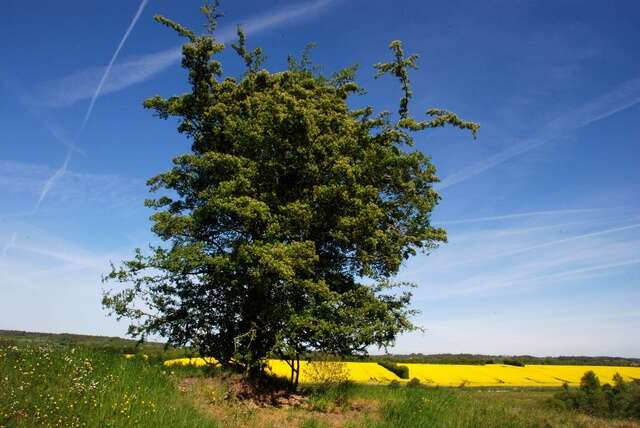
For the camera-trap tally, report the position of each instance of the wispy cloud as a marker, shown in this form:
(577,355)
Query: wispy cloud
(11,243)
(481,285)
(28,102)
(570,239)
(82,84)
(519,215)
(77,260)
(95,95)
(621,98)
(520,253)
(71,88)
(23,179)
(51,181)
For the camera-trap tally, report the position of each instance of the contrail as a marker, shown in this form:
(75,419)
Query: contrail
(592,268)
(48,185)
(572,238)
(549,277)
(82,83)
(145,67)
(621,98)
(10,244)
(526,214)
(28,103)
(52,180)
(87,115)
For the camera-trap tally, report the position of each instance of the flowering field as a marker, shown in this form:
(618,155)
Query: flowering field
(447,374)
(53,386)
(506,375)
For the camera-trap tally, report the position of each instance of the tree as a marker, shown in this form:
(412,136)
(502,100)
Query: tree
(286,222)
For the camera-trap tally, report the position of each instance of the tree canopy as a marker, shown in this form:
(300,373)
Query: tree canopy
(285,223)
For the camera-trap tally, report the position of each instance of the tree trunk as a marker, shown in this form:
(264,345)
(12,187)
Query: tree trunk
(295,385)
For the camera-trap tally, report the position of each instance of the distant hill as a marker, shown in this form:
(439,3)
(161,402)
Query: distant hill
(119,344)
(115,344)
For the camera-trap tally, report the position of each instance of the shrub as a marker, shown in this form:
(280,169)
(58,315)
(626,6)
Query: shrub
(331,397)
(394,384)
(401,371)
(620,400)
(512,362)
(413,383)
(326,374)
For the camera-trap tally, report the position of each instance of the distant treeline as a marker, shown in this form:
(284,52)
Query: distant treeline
(507,359)
(156,349)
(480,359)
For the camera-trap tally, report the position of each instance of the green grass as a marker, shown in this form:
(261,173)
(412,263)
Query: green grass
(49,385)
(119,345)
(462,408)
(61,385)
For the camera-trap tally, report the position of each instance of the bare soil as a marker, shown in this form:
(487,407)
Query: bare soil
(235,402)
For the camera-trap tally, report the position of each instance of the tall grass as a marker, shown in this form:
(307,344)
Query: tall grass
(60,386)
(434,407)
(73,387)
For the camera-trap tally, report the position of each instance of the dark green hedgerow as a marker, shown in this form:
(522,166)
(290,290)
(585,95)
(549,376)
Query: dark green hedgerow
(401,371)
(620,400)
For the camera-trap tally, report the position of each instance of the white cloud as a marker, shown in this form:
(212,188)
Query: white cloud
(82,84)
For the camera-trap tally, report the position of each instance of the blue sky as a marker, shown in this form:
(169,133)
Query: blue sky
(542,210)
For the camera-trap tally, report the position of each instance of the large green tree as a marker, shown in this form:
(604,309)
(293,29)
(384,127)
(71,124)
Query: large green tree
(286,222)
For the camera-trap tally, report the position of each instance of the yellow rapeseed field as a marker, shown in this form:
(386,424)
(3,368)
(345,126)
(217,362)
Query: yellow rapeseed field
(198,362)
(443,374)
(506,375)
(312,372)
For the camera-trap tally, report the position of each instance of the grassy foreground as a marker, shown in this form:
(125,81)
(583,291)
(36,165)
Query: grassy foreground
(51,386)
(47,385)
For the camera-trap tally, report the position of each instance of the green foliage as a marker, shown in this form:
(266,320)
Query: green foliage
(414,383)
(394,384)
(401,371)
(513,362)
(621,400)
(286,201)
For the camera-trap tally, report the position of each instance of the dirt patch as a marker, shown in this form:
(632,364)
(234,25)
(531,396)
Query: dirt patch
(240,389)
(234,402)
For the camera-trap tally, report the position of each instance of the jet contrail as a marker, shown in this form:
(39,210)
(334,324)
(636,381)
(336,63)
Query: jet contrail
(623,97)
(11,243)
(63,169)
(82,83)
(572,238)
(87,115)
(525,214)
(55,177)
(538,279)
